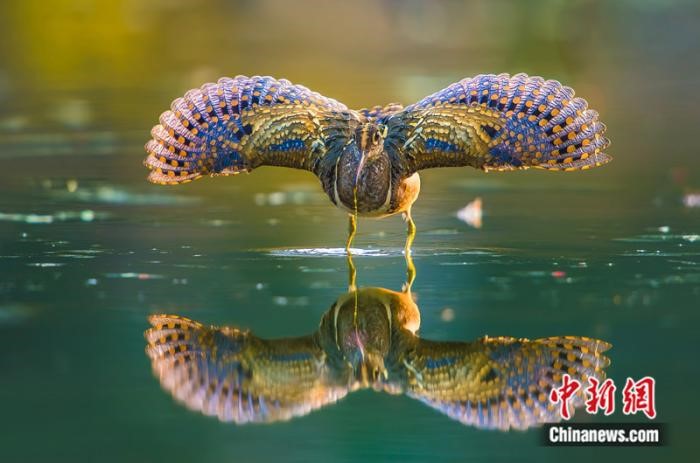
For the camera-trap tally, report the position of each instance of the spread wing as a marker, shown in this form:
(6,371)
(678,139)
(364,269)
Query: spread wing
(501,123)
(239,124)
(231,374)
(500,383)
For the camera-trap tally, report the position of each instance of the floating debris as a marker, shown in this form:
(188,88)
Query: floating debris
(441,232)
(14,123)
(217,222)
(447,314)
(66,143)
(320,285)
(668,280)
(451,264)
(691,200)
(71,185)
(285,301)
(297,195)
(280,300)
(305,269)
(531,273)
(471,214)
(86,252)
(60,216)
(76,256)
(135,276)
(108,194)
(15,313)
(657,253)
(72,113)
(658,238)
(26,218)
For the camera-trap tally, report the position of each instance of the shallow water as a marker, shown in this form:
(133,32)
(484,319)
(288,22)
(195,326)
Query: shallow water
(76,294)
(88,249)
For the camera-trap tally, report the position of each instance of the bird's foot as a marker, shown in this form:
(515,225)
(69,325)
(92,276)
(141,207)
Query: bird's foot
(352,229)
(410,236)
(410,231)
(410,273)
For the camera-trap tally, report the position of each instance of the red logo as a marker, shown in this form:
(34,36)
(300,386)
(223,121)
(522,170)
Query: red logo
(563,394)
(639,396)
(601,396)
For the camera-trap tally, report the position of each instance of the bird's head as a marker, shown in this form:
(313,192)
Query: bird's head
(370,139)
(363,177)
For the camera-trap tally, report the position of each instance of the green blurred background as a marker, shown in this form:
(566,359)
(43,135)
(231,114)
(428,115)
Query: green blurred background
(88,248)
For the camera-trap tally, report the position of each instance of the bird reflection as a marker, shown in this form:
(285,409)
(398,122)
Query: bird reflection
(367,339)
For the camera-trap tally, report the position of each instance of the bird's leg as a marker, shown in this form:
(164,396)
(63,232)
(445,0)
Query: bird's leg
(352,274)
(352,229)
(410,273)
(410,235)
(410,231)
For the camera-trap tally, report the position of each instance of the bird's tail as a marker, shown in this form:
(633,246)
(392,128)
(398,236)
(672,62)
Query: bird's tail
(546,126)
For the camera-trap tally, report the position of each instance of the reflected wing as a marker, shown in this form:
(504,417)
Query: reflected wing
(501,383)
(239,124)
(501,123)
(236,376)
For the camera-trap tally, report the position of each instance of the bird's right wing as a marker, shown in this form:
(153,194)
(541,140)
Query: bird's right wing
(231,374)
(501,383)
(498,122)
(239,124)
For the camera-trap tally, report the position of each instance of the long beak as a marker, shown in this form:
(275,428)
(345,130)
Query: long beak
(360,166)
(371,369)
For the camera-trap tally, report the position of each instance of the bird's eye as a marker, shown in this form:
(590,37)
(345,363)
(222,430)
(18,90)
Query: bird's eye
(376,137)
(383,129)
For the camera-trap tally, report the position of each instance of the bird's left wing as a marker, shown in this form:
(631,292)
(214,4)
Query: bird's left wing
(231,374)
(239,124)
(498,122)
(500,383)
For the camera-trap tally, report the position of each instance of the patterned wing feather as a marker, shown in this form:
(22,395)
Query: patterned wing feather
(231,374)
(499,123)
(242,123)
(501,383)
(381,113)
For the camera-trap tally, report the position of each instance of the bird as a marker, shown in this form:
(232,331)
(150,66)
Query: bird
(368,160)
(368,339)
